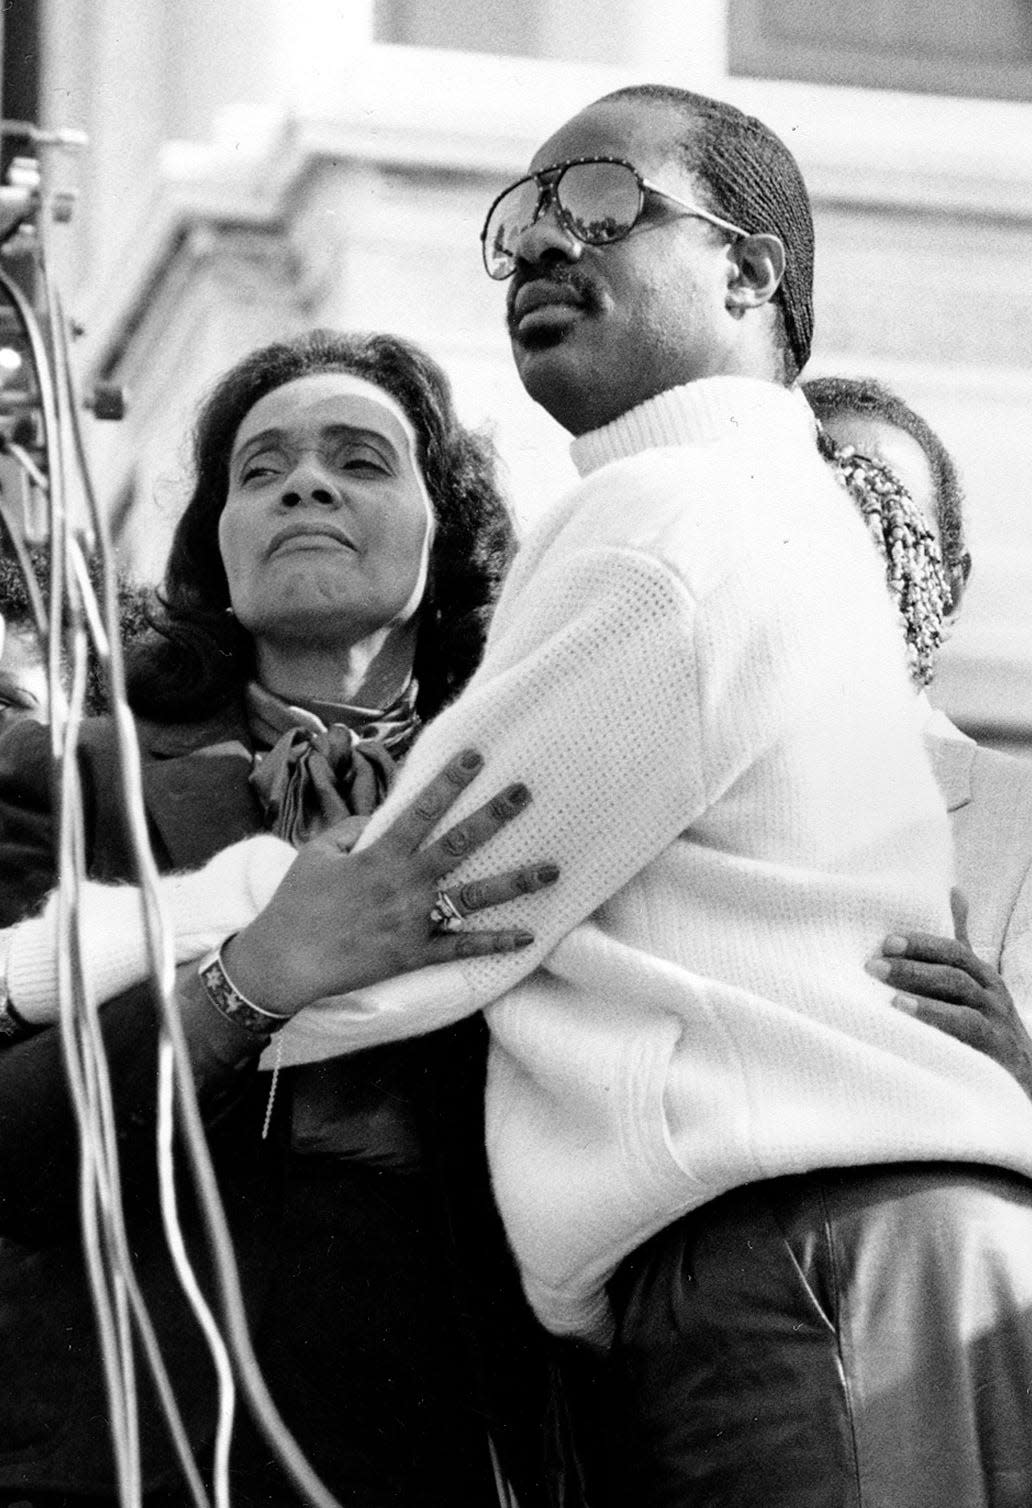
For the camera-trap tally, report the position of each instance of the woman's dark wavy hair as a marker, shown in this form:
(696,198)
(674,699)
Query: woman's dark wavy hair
(199,658)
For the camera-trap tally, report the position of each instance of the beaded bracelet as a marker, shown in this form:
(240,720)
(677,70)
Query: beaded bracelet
(229,1002)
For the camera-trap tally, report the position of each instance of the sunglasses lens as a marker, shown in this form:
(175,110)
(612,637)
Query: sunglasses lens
(505,223)
(600,201)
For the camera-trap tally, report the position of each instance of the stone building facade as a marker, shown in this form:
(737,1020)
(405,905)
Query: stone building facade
(258,168)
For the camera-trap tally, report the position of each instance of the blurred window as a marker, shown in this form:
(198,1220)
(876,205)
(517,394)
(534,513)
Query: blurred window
(465,25)
(981,48)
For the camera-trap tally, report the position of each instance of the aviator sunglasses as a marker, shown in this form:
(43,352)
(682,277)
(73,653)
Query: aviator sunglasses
(597,199)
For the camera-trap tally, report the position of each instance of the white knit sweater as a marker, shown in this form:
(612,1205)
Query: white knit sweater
(695,668)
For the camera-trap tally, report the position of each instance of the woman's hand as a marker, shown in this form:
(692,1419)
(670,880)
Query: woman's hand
(943,982)
(341,921)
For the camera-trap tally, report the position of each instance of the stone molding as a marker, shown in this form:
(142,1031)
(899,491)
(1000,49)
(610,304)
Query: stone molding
(271,217)
(439,112)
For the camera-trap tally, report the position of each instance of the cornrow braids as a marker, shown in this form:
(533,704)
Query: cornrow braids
(914,572)
(755,182)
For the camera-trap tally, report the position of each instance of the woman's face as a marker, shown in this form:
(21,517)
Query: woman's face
(324,534)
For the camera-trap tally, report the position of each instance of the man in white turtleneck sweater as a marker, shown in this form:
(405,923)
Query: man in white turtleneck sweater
(796,1220)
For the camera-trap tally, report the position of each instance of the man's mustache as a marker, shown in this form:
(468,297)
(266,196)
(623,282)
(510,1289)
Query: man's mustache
(571,279)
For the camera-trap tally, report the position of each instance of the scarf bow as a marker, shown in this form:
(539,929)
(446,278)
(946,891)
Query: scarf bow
(317,772)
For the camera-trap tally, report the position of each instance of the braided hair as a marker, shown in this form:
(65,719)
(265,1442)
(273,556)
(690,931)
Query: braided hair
(914,571)
(870,399)
(754,181)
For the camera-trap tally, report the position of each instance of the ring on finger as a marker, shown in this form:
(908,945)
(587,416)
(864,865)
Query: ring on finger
(445,916)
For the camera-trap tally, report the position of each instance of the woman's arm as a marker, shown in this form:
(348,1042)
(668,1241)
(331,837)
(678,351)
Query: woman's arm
(200,909)
(380,920)
(375,909)
(39,1152)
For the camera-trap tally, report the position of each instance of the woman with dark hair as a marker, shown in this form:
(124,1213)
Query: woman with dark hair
(207,655)
(977,984)
(327,590)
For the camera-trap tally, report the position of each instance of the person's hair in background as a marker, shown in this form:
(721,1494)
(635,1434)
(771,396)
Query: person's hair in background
(23,661)
(199,658)
(755,182)
(867,399)
(914,569)
(23,668)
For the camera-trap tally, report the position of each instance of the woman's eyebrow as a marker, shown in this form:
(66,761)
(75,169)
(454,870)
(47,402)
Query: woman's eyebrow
(374,437)
(260,441)
(277,436)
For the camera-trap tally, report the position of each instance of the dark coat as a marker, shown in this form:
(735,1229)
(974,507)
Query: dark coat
(53,1410)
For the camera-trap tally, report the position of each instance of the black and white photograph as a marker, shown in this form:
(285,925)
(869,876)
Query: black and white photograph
(515,754)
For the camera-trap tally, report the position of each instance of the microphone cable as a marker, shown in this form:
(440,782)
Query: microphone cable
(75,619)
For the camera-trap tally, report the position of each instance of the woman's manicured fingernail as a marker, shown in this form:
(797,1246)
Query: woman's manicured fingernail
(894,944)
(904,1003)
(518,795)
(471,760)
(523,939)
(548,874)
(878,967)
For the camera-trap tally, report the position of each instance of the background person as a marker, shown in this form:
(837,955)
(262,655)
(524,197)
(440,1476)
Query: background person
(978,984)
(23,671)
(23,667)
(863,413)
(357,533)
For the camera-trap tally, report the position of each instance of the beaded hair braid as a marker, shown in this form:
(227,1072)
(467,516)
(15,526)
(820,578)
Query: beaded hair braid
(914,571)
(868,398)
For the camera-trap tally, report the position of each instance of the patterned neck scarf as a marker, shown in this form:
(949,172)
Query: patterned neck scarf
(321,761)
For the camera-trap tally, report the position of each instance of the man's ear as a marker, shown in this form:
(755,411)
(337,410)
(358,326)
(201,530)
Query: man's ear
(757,265)
(957,583)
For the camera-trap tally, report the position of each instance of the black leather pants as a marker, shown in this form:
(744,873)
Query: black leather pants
(847,1339)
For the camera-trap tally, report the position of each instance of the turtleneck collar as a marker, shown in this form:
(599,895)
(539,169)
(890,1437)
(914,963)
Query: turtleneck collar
(694,414)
